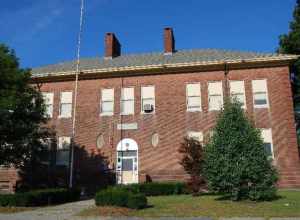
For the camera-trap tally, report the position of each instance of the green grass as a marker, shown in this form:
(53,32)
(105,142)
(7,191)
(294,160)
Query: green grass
(288,205)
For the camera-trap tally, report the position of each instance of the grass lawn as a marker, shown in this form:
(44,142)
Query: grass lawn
(288,205)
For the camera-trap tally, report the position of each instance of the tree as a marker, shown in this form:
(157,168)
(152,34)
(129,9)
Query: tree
(290,44)
(21,113)
(192,163)
(235,162)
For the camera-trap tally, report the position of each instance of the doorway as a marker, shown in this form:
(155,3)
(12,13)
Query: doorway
(127,162)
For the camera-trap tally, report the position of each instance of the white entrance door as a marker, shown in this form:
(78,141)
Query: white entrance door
(127,162)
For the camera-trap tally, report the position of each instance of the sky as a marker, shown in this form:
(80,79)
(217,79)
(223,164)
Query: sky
(45,31)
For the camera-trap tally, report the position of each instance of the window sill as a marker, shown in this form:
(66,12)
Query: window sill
(194,110)
(124,114)
(106,114)
(64,117)
(261,106)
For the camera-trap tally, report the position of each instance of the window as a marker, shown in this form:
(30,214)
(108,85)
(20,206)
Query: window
(148,99)
(127,101)
(107,102)
(196,135)
(65,104)
(260,95)
(62,153)
(237,90)
(64,143)
(267,138)
(215,95)
(193,97)
(48,100)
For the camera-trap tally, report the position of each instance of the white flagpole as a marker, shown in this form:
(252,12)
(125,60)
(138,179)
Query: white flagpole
(75,95)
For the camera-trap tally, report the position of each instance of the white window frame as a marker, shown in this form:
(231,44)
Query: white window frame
(261,92)
(265,131)
(103,101)
(189,108)
(61,103)
(121,101)
(60,144)
(215,94)
(232,94)
(142,100)
(195,135)
(48,104)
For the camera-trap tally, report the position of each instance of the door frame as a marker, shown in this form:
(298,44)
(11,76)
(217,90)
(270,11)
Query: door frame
(124,145)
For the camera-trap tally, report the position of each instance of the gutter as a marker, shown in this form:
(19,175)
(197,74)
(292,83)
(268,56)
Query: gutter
(171,65)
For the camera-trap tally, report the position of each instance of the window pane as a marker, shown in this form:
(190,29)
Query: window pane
(66,110)
(48,98)
(62,157)
(130,153)
(147,92)
(127,164)
(127,107)
(237,87)
(260,99)
(239,97)
(215,88)
(193,89)
(107,107)
(107,95)
(196,135)
(259,85)
(194,102)
(127,93)
(215,102)
(268,149)
(49,110)
(66,97)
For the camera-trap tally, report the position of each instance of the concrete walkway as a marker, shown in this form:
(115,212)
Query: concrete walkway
(59,212)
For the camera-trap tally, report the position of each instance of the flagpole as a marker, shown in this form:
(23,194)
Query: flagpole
(75,95)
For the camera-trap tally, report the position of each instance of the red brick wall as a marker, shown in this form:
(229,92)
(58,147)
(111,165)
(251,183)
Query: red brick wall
(172,122)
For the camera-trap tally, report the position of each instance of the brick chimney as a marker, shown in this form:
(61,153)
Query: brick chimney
(169,41)
(112,46)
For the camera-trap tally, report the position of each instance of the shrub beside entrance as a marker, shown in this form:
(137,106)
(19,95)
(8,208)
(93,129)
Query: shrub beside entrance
(40,198)
(134,195)
(117,196)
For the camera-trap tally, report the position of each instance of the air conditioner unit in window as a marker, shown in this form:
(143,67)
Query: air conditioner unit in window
(148,108)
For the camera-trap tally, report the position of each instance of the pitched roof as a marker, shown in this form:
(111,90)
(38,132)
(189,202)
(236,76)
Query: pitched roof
(152,59)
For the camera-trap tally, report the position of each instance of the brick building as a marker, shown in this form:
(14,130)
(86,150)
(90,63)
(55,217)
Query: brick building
(134,110)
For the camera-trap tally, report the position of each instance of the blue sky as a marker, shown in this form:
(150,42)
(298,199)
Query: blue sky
(45,31)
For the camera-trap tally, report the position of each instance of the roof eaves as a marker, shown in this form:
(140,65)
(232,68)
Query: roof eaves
(169,65)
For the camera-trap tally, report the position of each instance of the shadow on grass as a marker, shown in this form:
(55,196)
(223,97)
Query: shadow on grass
(226,197)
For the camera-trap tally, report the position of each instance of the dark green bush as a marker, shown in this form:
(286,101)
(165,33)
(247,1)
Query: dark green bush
(112,196)
(120,196)
(157,188)
(40,197)
(137,201)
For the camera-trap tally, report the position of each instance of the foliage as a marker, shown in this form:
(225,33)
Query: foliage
(40,197)
(157,188)
(192,161)
(117,196)
(235,162)
(21,113)
(290,44)
(137,201)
